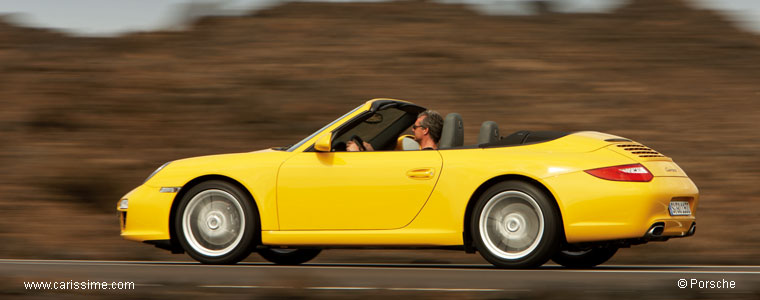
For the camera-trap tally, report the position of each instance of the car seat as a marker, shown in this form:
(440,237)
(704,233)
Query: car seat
(452,134)
(489,132)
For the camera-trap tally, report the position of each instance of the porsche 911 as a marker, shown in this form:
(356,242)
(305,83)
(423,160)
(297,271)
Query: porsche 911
(519,200)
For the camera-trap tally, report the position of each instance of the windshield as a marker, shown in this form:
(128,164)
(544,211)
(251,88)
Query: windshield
(294,147)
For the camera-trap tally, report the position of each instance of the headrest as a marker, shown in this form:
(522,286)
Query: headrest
(489,132)
(452,134)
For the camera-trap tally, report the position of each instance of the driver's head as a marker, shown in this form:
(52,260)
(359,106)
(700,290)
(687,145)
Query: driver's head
(429,124)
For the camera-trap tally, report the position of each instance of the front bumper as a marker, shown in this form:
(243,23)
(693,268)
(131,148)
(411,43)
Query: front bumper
(147,216)
(594,209)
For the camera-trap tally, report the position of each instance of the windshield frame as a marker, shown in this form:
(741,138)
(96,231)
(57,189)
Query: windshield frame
(316,133)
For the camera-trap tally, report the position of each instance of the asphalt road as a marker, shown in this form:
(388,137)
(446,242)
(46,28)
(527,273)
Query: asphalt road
(244,280)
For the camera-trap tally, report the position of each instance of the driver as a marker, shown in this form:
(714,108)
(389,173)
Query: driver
(353,147)
(427,132)
(427,129)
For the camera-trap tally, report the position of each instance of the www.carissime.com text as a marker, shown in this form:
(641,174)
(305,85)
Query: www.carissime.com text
(78,285)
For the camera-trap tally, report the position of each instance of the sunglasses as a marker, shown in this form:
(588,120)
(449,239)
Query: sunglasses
(415,126)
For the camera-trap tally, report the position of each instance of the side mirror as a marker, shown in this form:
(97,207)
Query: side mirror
(324,143)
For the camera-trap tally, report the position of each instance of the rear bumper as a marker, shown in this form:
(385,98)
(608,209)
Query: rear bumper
(594,209)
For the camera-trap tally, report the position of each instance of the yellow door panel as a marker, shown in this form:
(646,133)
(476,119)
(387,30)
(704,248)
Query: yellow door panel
(355,190)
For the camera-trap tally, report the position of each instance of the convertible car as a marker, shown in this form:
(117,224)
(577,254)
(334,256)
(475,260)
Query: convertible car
(519,200)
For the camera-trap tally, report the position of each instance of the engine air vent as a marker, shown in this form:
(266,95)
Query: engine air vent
(640,150)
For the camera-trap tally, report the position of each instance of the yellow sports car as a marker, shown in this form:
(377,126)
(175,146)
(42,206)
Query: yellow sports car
(519,200)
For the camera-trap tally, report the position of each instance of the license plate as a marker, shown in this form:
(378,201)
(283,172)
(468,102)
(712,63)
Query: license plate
(680,208)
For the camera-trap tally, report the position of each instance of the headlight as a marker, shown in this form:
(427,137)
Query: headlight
(155,172)
(124,204)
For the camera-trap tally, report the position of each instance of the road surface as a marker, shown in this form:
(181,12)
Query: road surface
(370,281)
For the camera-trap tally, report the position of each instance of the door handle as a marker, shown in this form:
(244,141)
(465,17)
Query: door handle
(425,173)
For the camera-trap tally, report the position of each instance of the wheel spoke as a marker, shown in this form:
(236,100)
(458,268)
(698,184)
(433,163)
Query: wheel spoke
(213,222)
(512,224)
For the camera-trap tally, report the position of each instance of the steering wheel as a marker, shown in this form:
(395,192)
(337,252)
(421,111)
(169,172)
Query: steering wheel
(359,142)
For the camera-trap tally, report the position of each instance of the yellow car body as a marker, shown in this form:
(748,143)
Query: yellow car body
(419,198)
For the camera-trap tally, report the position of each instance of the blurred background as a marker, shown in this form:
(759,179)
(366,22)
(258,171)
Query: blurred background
(94,95)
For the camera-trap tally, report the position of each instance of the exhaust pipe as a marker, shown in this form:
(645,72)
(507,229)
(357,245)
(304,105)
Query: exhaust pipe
(655,231)
(692,229)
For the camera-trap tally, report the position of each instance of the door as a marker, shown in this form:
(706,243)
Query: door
(355,190)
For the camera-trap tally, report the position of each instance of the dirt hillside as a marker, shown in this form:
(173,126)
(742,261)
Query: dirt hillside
(83,120)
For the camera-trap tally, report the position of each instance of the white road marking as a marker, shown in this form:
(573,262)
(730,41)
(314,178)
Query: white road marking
(245,287)
(363,288)
(357,288)
(148,284)
(453,290)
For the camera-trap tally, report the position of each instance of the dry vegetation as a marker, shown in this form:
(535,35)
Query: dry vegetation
(83,120)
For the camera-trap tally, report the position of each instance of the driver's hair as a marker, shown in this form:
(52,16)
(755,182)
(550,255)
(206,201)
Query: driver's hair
(433,122)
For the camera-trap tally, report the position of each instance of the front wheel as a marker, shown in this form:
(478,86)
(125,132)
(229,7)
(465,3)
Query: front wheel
(515,225)
(289,256)
(586,258)
(216,223)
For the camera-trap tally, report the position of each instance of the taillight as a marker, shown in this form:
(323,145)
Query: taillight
(635,172)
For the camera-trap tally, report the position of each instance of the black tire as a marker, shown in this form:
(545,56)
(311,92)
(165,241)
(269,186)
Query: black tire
(517,215)
(289,256)
(220,233)
(584,259)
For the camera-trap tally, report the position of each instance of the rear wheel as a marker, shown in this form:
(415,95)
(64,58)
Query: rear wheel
(216,223)
(289,256)
(515,225)
(586,258)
